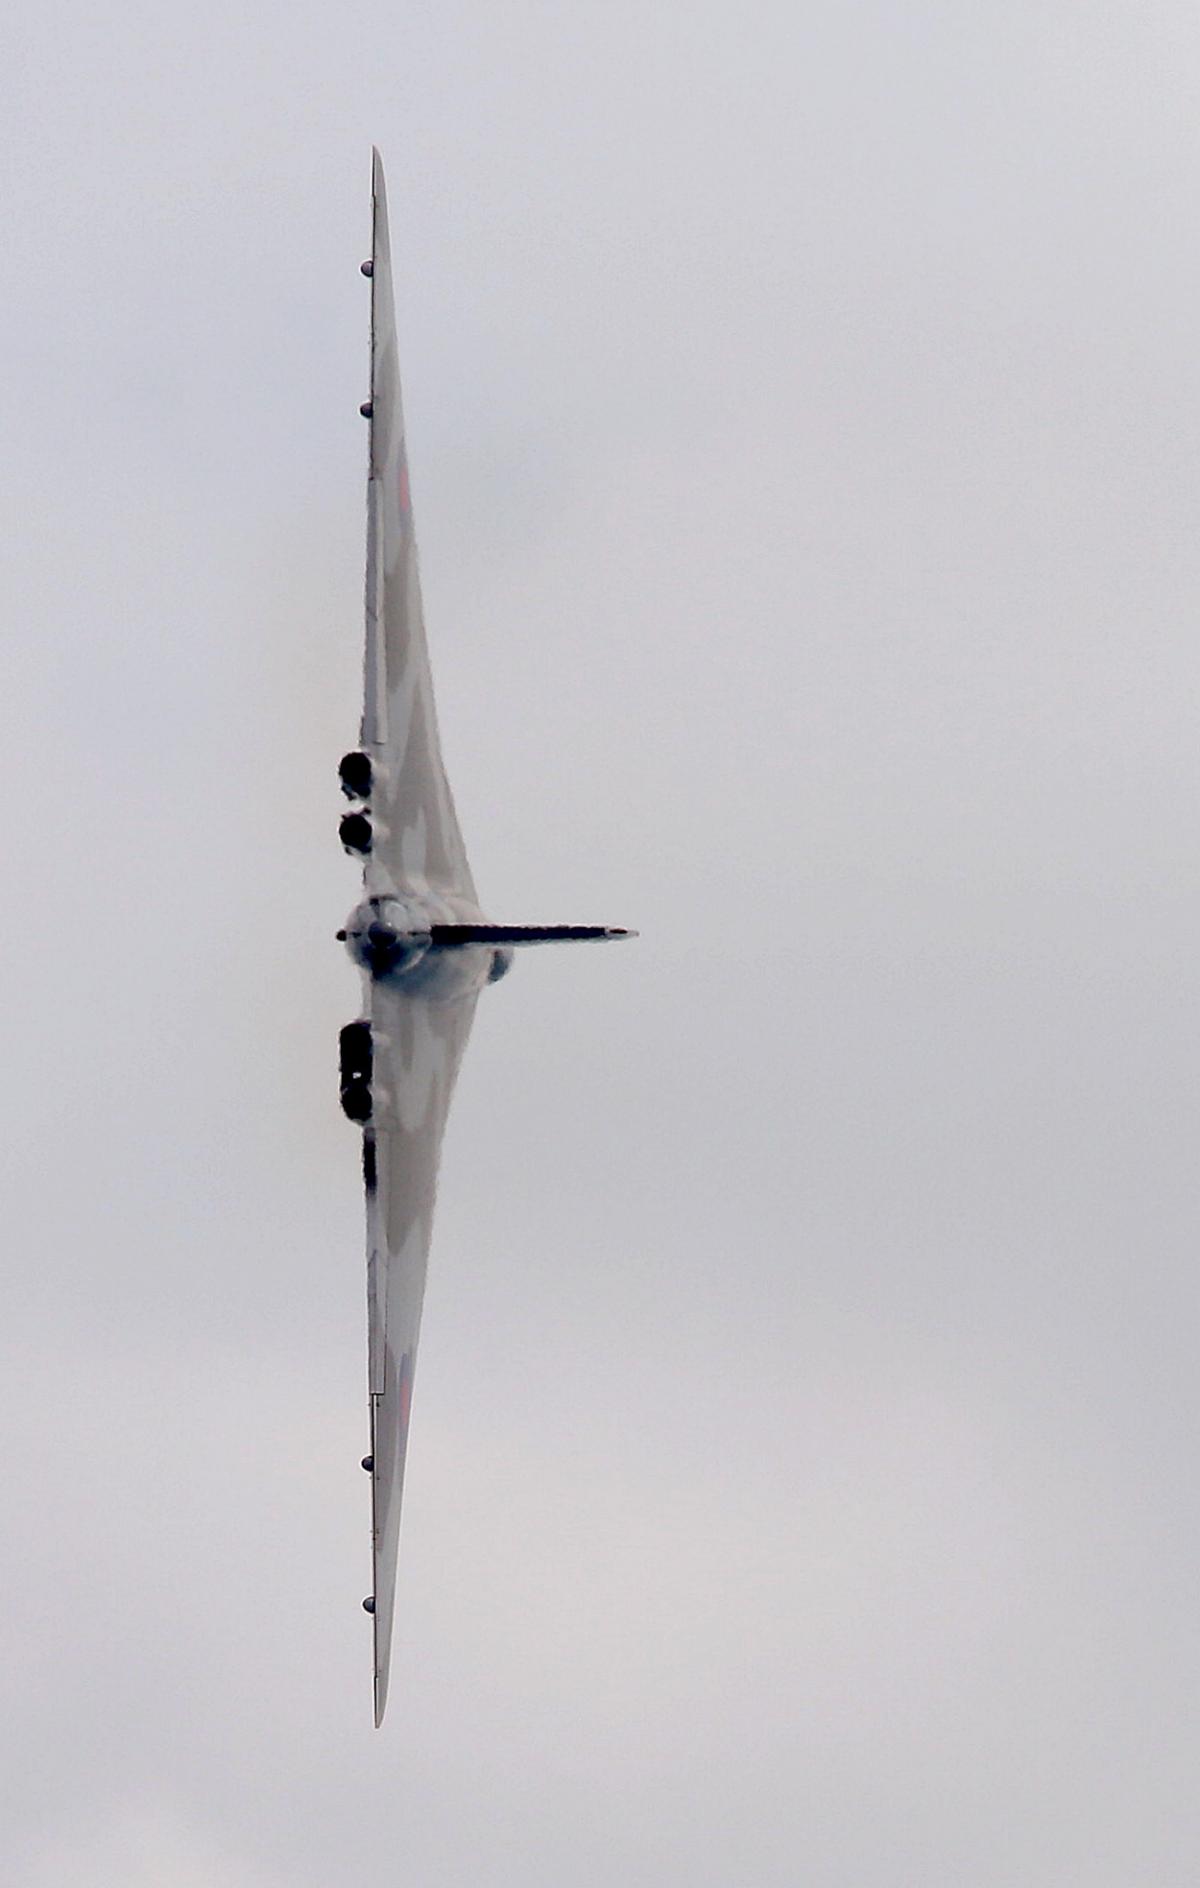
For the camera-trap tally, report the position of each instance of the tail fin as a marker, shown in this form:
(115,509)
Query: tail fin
(443,934)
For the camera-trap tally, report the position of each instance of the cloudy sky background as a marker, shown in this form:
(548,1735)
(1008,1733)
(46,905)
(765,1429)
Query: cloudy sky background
(805,427)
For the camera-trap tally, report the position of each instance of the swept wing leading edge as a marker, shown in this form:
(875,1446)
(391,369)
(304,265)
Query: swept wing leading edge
(418,1043)
(418,837)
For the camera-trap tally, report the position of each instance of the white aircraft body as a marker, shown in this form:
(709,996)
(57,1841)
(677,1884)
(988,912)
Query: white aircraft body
(419,936)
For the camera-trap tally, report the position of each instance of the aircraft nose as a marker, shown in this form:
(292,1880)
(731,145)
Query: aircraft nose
(381,937)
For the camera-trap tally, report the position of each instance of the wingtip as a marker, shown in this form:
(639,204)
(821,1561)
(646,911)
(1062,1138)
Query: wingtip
(381,1645)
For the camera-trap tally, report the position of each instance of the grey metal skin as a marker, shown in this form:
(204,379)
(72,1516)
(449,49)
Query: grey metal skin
(419,937)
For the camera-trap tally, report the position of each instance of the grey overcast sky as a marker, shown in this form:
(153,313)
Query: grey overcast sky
(805,429)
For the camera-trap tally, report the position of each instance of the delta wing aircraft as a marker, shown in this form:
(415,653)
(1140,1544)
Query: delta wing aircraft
(419,937)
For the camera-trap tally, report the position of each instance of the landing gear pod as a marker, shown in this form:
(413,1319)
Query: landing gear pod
(355,832)
(356,775)
(366,409)
(369,1603)
(355,1055)
(356,1102)
(355,1063)
(368,1463)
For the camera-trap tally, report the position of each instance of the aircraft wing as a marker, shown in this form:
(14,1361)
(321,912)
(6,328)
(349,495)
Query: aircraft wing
(419,936)
(418,1038)
(417,833)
